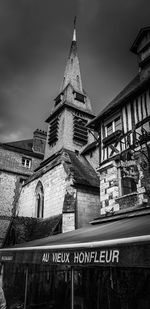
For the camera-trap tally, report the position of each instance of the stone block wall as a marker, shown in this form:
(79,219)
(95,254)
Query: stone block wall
(65,135)
(109,188)
(54,186)
(68,222)
(87,207)
(7,193)
(12,161)
(111,193)
(12,175)
(4,225)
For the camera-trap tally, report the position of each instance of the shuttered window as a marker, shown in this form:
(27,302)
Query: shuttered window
(80,133)
(53,131)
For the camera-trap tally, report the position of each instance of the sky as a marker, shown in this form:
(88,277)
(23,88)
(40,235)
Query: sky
(35,38)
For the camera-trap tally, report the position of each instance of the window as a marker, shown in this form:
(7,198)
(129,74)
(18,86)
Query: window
(79,96)
(128,185)
(39,200)
(117,123)
(113,126)
(109,129)
(22,181)
(26,162)
(80,133)
(53,131)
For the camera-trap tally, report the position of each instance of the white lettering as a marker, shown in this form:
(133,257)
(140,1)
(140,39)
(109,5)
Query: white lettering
(95,259)
(76,257)
(61,257)
(108,256)
(81,257)
(45,257)
(115,256)
(102,257)
(87,257)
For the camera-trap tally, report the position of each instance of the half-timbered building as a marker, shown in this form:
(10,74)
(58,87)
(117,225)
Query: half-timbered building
(123,127)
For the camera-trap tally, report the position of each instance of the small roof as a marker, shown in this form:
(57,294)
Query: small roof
(139,37)
(124,243)
(23,146)
(89,148)
(75,165)
(23,229)
(133,87)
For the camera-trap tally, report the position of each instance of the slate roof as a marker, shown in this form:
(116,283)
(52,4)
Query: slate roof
(140,35)
(82,171)
(132,88)
(89,148)
(23,146)
(70,105)
(24,229)
(76,166)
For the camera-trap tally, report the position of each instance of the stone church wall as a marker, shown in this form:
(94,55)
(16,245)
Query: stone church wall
(54,190)
(7,193)
(87,207)
(12,175)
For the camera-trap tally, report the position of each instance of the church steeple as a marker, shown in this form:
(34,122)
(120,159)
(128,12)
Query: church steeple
(72,109)
(72,73)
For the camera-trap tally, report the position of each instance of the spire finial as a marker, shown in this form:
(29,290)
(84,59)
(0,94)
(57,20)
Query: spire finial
(74,31)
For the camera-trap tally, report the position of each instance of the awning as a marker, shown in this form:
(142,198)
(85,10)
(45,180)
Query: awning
(123,243)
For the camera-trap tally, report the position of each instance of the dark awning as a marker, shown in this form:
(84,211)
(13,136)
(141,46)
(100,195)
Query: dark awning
(124,243)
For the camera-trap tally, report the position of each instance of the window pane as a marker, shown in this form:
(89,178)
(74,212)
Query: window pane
(109,129)
(128,185)
(118,124)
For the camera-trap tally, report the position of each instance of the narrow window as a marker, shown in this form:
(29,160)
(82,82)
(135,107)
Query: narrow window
(39,200)
(109,128)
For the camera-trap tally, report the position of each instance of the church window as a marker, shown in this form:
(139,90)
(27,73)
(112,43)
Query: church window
(80,133)
(26,162)
(53,131)
(39,200)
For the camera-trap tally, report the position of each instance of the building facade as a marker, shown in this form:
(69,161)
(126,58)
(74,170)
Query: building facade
(124,136)
(57,180)
(17,162)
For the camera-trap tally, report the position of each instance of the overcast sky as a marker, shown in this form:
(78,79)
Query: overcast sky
(35,38)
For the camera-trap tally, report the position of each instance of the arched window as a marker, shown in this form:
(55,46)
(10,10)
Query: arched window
(39,200)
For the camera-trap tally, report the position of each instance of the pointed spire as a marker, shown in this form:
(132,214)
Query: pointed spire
(72,73)
(74,31)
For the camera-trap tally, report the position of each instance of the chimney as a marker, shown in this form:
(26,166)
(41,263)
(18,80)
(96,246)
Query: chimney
(39,141)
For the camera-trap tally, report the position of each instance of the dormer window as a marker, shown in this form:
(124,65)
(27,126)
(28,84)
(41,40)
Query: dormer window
(26,162)
(58,99)
(141,47)
(145,53)
(79,97)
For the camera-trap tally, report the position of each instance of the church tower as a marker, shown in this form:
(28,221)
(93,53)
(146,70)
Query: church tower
(71,111)
(65,186)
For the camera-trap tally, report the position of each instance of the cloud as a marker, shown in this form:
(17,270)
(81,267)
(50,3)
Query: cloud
(88,9)
(35,38)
